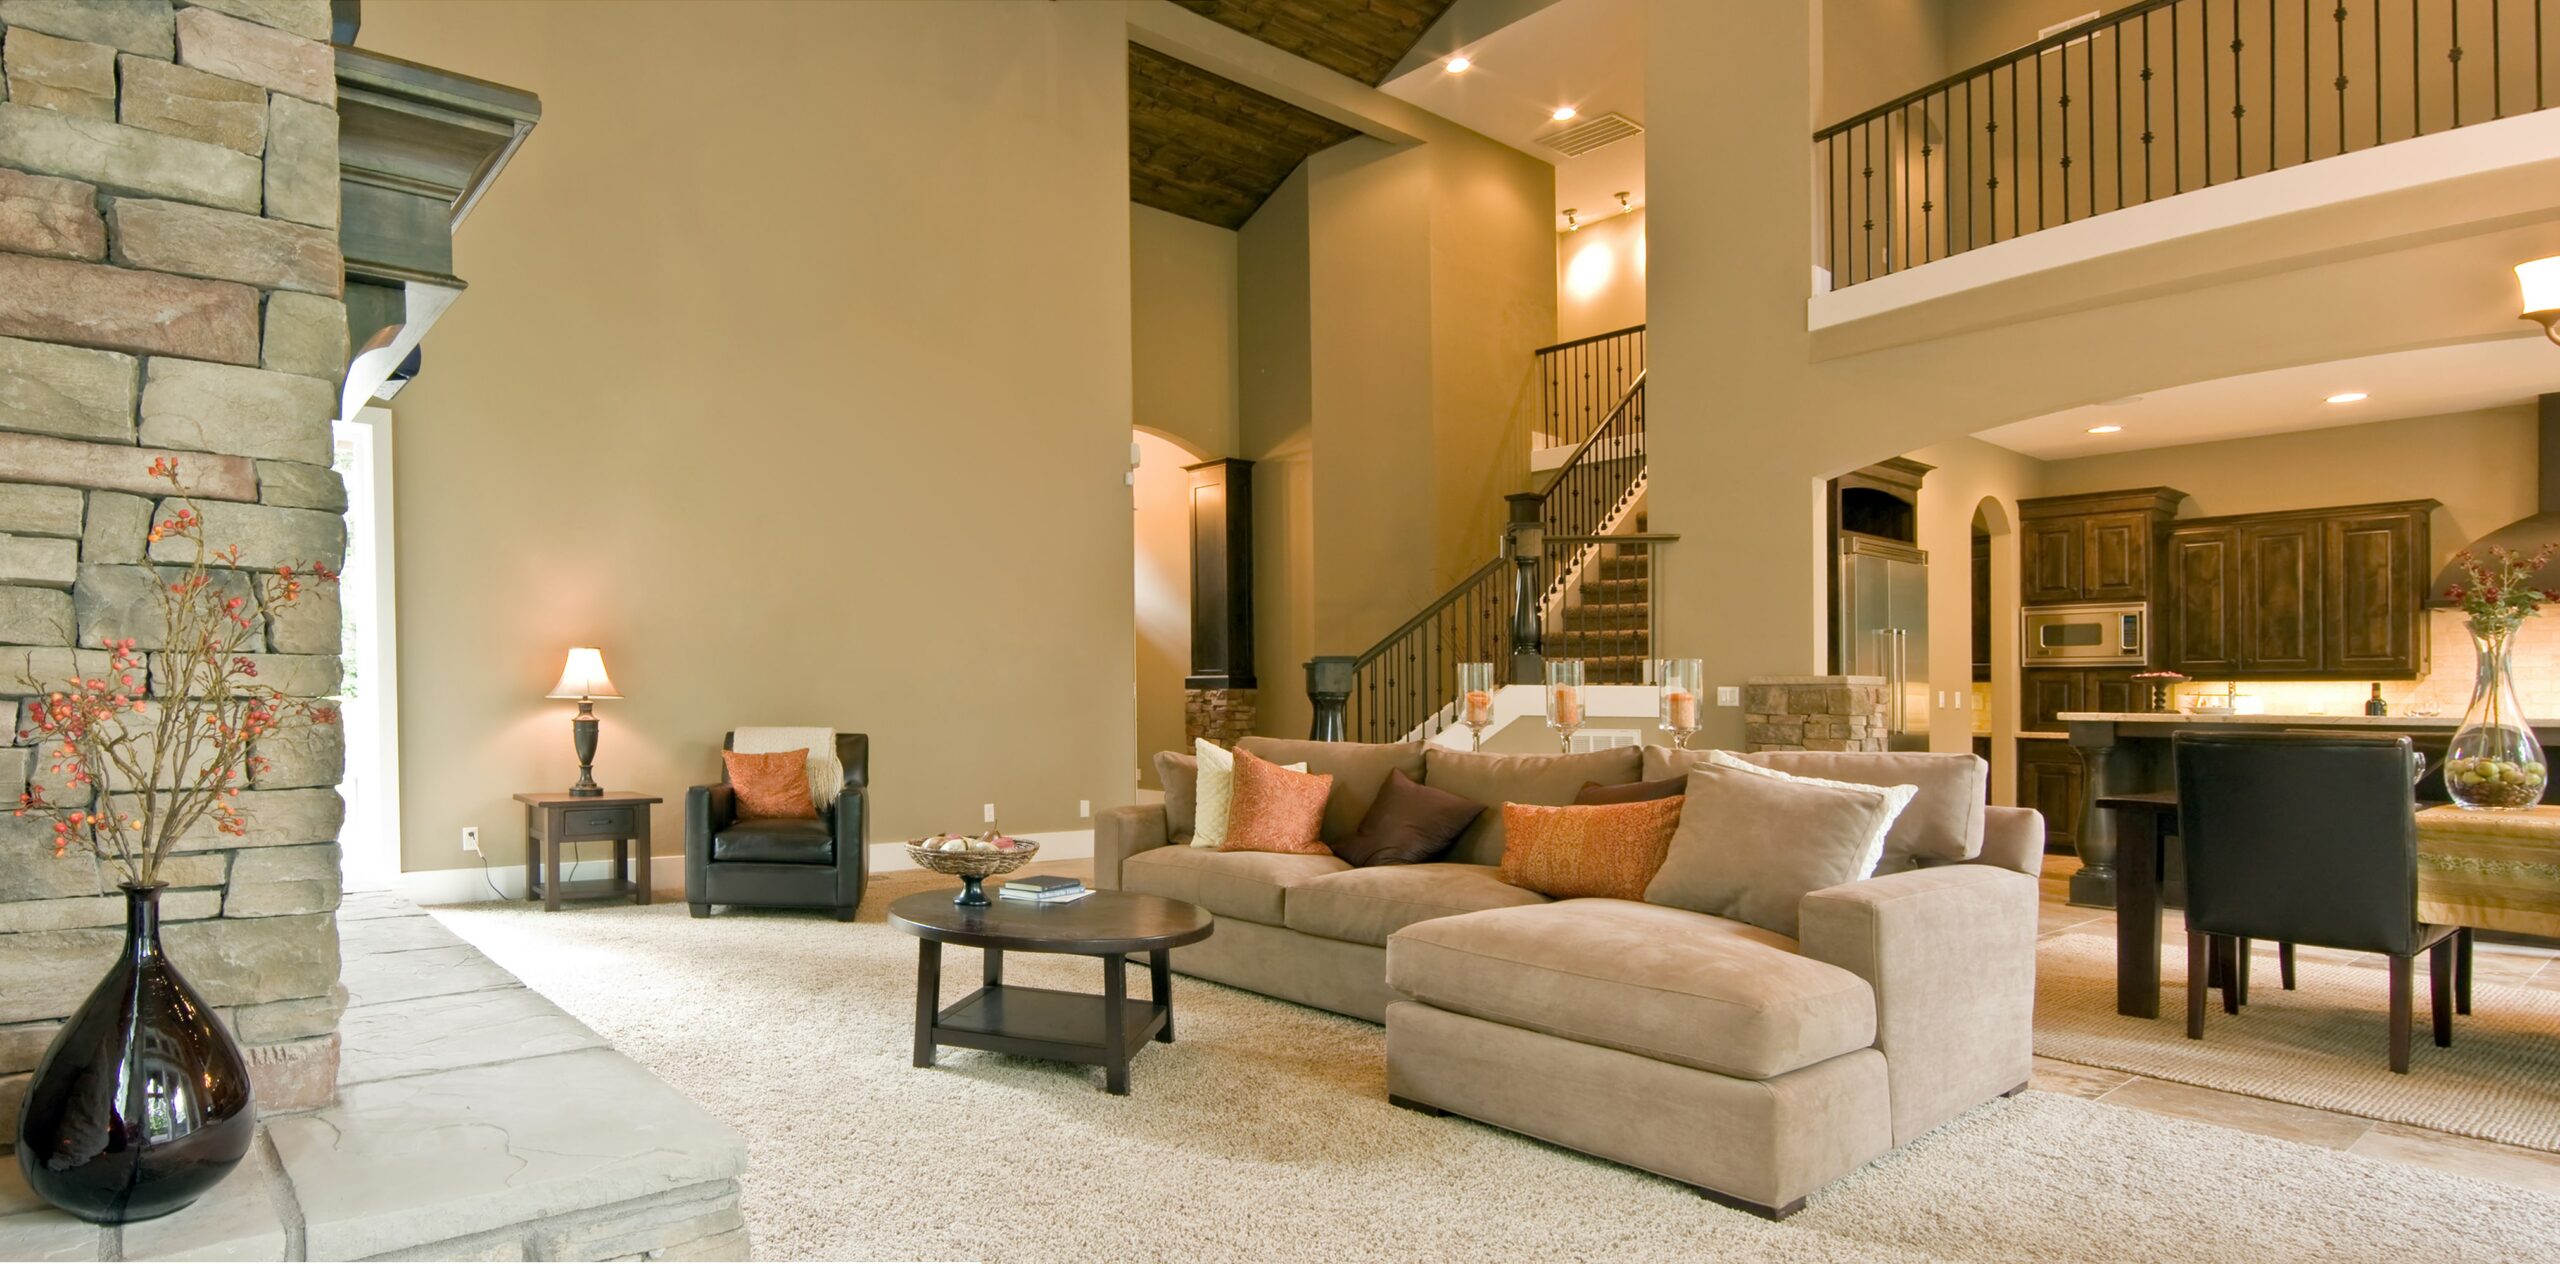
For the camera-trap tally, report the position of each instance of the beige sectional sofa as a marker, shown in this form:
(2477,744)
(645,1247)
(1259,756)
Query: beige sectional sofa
(1754,1067)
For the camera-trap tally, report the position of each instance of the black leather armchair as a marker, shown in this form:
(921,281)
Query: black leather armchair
(2311,839)
(816,864)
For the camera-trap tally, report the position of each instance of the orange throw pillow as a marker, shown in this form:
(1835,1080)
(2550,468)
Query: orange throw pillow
(1602,850)
(1276,809)
(771,787)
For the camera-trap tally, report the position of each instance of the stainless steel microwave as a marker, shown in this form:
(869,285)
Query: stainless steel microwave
(2098,634)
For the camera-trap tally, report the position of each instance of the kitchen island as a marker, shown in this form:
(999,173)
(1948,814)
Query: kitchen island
(2127,752)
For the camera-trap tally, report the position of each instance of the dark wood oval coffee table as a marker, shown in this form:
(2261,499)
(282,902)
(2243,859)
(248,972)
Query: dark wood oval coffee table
(1041,1022)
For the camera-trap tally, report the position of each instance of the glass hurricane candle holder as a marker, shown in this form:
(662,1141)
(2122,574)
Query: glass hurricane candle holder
(1475,700)
(1680,682)
(1564,699)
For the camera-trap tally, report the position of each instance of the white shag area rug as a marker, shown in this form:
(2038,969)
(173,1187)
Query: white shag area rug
(1264,1134)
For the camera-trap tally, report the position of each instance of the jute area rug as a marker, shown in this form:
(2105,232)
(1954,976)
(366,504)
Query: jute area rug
(2323,1045)
(1265,1135)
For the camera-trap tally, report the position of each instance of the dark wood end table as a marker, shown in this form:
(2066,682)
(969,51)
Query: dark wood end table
(554,817)
(1032,1022)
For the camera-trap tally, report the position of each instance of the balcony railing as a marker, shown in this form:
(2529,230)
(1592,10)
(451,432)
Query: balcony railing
(1580,383)
(2154,100)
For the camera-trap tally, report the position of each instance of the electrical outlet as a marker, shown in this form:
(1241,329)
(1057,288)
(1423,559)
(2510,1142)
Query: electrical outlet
(1728,695)
(471,838)
(991,814)
(1084,808)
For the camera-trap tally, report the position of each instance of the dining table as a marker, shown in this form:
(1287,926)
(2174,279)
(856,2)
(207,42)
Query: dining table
(2486,870)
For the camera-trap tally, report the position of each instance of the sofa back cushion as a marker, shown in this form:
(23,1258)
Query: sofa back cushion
(1493,780)
(1359,771)
(1943,824)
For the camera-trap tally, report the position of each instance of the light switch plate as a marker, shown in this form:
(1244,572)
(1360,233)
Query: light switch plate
(1728,695)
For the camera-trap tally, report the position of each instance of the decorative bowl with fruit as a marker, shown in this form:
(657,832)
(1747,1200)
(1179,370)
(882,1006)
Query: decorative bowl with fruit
(972,860)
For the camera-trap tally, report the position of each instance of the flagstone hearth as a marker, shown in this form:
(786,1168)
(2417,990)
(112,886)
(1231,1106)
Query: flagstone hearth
(473,1120)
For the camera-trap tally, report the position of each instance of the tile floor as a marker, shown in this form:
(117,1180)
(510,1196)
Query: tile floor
(2400,1143)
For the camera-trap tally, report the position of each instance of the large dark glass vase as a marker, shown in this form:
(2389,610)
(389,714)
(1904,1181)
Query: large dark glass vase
(141,1104)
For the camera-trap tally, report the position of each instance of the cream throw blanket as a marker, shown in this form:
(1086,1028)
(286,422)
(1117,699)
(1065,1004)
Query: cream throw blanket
(826,773)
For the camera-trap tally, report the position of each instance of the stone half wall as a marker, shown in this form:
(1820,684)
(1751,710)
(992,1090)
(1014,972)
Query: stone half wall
(1221,715)
(1818,713)
(169,284)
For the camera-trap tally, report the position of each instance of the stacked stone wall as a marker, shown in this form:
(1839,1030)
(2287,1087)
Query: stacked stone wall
(170,285)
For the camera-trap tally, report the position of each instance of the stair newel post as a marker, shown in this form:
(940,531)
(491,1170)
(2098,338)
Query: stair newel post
(1329,681)
(1524,541)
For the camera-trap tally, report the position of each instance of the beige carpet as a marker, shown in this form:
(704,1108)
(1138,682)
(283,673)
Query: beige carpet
(2323,1045)
(1265,1135)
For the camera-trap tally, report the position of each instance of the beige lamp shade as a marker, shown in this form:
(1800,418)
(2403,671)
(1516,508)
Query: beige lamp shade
(583,677)
(2540,281)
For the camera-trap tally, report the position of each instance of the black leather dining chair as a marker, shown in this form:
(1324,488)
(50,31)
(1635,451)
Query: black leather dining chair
(810,864)
(2305,839)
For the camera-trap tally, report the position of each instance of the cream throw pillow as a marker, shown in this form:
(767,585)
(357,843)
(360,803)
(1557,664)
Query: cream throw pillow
(1896,798)
(1216,798)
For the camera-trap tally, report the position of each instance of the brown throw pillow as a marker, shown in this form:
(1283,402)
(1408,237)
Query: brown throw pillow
(1410,823)
(1179,774)
(1276,809)
(1751,846)
(1608,850)
(1633,792)
(1494,780)
(772,787)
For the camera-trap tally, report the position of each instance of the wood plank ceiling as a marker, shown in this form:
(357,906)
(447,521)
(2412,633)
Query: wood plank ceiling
(1211,149)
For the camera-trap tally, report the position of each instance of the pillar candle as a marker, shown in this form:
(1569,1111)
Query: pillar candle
(1684,709)
(1568,711)
(1479,707)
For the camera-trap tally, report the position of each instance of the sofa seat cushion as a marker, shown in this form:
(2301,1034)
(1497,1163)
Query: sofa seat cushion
(777,841)
(1663,983)
(1365,906)
(1242,884)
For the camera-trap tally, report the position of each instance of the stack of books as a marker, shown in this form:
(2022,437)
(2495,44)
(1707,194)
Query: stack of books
(1042,890)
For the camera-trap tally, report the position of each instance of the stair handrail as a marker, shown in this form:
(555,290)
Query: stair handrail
(1608,500)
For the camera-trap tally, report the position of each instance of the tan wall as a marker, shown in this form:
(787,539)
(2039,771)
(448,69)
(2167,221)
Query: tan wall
(2480,464)
(1969,472)
(1391,300)
(1876,50)
(1600,277)
(1978,30)
(1276,431)
(1161,499)
(794,372)
(1182,315)
(1749,411)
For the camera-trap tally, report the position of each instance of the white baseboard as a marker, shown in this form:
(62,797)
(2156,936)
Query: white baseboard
(666,872)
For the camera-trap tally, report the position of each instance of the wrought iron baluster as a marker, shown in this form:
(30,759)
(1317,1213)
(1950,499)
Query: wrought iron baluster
(2146,107)
(2239,101)
(2177,111)
(2062,55)
(2040,198)
(2204,71)
(2339,17)
(2454,55)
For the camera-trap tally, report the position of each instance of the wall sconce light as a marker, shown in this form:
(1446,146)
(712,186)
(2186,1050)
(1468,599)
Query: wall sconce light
(2540,281)
(1626,202)
(1571,225)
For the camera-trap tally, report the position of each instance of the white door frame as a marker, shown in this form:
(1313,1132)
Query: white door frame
(378,625)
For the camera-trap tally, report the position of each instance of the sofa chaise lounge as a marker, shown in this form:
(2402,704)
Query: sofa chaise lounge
(1754,1067)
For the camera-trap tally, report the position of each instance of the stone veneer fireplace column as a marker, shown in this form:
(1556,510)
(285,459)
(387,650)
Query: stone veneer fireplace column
(170,284)
(1816,713)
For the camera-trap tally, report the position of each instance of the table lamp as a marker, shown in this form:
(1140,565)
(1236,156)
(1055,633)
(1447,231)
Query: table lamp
(583,679)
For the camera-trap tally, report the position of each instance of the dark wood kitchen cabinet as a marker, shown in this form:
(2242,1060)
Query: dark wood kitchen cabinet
(2050,691)
(2337,594)
(2053,781)
(2101,546)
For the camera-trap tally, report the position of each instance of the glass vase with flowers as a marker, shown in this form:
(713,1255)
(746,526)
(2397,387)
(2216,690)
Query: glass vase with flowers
(2495,763)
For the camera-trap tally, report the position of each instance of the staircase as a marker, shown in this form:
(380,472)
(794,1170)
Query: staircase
(1570,581)
(1607,619)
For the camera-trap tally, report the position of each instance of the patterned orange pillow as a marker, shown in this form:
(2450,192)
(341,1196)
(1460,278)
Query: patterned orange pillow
(771,787)
(1609,850)
(1276,809)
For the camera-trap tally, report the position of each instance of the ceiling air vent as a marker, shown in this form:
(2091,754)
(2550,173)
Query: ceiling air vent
(1591,134)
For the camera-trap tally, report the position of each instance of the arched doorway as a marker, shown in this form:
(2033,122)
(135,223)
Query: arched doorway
(1160,499)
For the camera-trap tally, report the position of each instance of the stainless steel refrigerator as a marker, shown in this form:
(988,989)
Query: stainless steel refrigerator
(1884,629)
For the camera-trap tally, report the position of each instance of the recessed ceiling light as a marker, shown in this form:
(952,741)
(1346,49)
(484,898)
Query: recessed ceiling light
(2347,397)
(1563,112)
(2106,429)
(1458,65)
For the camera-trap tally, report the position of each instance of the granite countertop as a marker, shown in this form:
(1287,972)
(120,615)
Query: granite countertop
(2393,722)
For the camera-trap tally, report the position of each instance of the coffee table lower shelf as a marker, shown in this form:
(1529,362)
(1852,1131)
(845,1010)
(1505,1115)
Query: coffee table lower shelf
(1045,1023)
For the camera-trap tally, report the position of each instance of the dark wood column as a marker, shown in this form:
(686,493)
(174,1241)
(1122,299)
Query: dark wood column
(1221,575)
